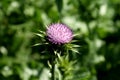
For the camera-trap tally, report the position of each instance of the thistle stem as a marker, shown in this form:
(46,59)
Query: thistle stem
(53,68)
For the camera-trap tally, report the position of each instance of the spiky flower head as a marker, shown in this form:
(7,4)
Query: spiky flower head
(59,33)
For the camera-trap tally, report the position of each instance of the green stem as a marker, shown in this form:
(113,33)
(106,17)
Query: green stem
(63,78)
(53,68)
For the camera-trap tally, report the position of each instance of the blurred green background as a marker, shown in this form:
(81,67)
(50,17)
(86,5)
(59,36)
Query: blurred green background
(96,23)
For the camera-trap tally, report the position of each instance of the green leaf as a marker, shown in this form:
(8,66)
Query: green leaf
(40,44)
(37,44)
(40,35)
(75,50)
(49,64)
(59,4)
(42,32)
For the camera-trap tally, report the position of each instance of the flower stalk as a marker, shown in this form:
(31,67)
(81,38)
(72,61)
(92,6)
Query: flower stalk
(53,67)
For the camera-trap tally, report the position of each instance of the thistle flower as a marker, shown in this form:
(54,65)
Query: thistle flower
(59,33)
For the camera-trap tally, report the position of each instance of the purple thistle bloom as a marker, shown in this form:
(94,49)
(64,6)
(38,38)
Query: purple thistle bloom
(59,33)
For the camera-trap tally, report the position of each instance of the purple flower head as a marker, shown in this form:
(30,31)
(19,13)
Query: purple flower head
(59,33)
